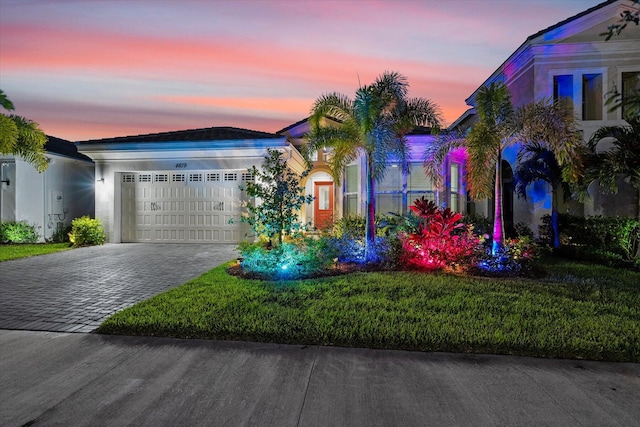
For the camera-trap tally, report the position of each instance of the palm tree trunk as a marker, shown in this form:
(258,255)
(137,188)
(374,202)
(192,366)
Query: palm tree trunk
(554,217)
(498,224)
(371,213)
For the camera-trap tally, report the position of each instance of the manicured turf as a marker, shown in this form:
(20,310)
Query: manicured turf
(577,311)
(8,252)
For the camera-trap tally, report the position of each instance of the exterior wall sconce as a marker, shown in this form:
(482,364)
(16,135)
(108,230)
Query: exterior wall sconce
(101,180)
(6,181)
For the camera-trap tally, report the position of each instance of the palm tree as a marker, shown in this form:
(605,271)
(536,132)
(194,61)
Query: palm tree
(538,126)
(552,151)
(487,139)
(621,161)
(373,124)
(21,137)
(538,163)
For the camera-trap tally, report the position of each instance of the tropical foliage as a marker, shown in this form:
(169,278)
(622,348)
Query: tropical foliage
(552,151)
(494,131)
(21,137)
(442,239)
(620,161)
(549,142)
(372,124)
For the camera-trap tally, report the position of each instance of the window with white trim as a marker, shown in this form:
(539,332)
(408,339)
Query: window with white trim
(144,177)
(161,177)
(630,87)
(454,195)
(231,176)
(351,191)
(213,176)
(419,184)
(592,96)
(563,87)
(128,177)
(195,177)
(178,177)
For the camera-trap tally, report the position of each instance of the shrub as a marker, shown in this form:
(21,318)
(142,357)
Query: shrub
(387,250)
(297,258)
(522,230)
(481,224)
(86,232)
(441,241)
(18,232)
(597,235)
(60,235)
(354,226)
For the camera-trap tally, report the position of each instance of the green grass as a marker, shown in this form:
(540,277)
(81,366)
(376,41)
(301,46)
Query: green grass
(24,250)
(577,311)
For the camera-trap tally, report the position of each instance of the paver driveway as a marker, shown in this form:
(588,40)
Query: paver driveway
(75,290)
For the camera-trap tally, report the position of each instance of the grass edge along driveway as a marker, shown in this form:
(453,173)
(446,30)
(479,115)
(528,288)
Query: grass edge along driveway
(578,311)
(23,250)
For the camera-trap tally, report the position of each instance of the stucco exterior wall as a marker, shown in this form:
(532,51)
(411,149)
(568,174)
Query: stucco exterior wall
(52,199)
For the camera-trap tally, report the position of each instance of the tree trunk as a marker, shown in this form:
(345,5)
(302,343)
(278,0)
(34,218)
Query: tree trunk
(371,213)
(498,224)
(555,227)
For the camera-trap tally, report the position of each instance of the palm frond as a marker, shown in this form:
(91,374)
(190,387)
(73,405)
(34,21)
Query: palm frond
(30,142)
(5,102)
(436,153)
(8,135)
(391,86)
(334,105)
(483,147)
(416,112)
(621,160)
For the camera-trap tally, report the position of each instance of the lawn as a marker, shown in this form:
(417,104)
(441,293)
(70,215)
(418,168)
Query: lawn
(576,311)
(23,250)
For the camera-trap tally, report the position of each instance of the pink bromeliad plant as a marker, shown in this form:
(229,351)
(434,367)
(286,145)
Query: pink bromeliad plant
(441,240)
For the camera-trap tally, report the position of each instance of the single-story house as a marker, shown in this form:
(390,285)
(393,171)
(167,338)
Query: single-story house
(180,186)
(394,194)
(52,199)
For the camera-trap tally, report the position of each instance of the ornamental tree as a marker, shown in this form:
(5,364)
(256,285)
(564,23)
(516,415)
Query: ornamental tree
(277,198)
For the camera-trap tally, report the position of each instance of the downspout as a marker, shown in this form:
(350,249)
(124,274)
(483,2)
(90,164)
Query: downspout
(44,204)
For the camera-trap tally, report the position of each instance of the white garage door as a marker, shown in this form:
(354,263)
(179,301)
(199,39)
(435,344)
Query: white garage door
(186,207)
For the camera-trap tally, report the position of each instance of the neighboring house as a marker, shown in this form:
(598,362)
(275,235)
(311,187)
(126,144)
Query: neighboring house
(394,194)
(52,199)
(178,186)
(568,60)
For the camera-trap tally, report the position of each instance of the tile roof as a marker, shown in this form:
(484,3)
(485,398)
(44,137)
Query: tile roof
(572,18)
(64,148)
(204,134)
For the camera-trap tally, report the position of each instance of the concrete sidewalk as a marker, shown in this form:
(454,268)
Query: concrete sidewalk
(62,379)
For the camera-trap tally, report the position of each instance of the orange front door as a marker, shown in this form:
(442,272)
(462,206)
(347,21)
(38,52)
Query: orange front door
(323,205)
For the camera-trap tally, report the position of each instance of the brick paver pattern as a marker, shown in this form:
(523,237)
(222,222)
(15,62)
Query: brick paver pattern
(75,290)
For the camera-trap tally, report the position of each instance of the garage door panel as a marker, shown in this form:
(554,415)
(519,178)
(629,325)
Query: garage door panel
(177,207)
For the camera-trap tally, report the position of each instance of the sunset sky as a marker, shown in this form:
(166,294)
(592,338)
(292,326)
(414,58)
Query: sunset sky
(87,69)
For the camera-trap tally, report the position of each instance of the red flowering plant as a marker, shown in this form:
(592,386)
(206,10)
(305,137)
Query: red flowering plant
(441,239)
